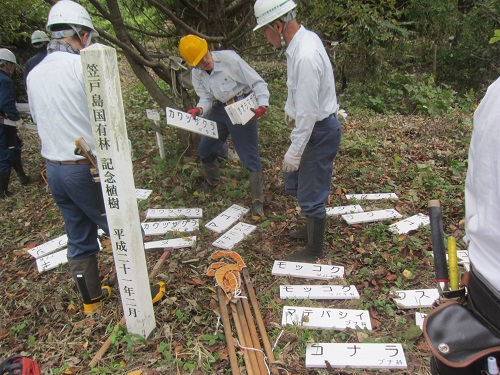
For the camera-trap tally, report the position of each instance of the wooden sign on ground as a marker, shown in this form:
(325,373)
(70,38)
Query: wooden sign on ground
(325,318)
(415,299)
(318,292)
(371,216)
(172,213)
(355,355)
(342,210)
(236,234)
(226,219)
(174,243)
(412,223)
(158,228)
(307,270)
(372,196)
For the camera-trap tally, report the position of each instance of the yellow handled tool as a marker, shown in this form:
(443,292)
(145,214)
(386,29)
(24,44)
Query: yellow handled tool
(453,262)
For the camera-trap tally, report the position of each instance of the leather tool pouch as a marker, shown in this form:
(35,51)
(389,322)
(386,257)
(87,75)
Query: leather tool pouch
(457,337)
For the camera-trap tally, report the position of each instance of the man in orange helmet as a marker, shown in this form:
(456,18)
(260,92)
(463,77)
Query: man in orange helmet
(221,78)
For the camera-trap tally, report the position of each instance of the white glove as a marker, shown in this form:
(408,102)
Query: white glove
(20,124)
(290,163)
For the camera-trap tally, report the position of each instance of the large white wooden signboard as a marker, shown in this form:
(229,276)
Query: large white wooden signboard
(102,85)
(307,270)
(185,121)
(355,355)
(318,292)
(324,318)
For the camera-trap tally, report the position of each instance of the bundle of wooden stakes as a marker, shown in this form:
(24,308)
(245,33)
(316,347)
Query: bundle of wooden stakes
(232,297)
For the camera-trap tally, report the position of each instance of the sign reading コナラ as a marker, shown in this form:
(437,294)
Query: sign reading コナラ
(102,85)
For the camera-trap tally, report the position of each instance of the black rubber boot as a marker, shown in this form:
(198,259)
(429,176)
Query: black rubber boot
(299,234)
(212,175)
(86,275)
(257,190)
(315,238)
(17,164)
(4,185)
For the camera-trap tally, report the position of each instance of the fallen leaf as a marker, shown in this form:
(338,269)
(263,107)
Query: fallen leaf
(407,274)
(73,370)
(195,281)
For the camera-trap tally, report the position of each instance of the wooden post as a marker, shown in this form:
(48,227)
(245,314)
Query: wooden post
(159,142)
(102,85)
(153,114)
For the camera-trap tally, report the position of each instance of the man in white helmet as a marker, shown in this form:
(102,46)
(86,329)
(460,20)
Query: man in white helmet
(39,41)
(58,104)
(10,143)
(311,108)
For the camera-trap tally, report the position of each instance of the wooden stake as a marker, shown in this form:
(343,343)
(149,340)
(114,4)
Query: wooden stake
(260,322)
(233,360)
(248,338)
(253,334)
(242,339)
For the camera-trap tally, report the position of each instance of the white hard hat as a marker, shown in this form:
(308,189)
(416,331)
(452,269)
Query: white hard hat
(267,11)
(39,36)
(7,55)
(71,13)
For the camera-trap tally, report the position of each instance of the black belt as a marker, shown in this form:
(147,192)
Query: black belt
(70,162)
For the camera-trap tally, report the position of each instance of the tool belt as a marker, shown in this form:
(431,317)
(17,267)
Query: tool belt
(484,300)
(460,336)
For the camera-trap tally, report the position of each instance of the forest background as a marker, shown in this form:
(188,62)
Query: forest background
(409,74)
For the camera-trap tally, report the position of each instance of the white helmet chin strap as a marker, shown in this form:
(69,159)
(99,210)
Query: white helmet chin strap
(285,19)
